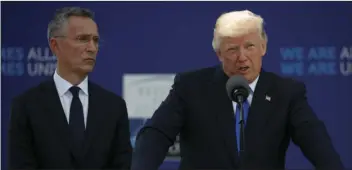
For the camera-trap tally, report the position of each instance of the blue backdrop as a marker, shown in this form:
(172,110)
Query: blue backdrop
(308,41)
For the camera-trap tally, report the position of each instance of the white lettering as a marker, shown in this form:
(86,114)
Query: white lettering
(346,68)
(40,54)
(41,69)
(346,53)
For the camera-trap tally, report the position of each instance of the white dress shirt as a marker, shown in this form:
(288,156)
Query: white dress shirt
(65,95)
(250,96)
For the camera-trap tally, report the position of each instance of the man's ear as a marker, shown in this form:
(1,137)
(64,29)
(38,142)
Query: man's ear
(53,45)
(264,47)
(218,53)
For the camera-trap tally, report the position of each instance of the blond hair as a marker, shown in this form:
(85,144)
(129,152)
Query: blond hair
(237,23)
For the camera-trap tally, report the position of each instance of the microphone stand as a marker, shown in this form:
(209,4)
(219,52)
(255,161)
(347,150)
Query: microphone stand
(242,121)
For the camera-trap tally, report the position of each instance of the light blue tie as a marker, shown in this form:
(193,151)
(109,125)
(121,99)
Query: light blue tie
(238,125)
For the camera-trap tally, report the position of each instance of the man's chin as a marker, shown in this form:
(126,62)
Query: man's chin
(246,75)
(87,69)
(237,74)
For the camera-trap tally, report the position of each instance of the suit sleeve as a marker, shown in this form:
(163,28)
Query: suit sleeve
(159,133)
(310,134)
(122,149)
(21,151)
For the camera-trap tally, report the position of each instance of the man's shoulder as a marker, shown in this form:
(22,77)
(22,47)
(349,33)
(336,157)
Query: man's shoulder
(35,91)
(108,94)
(283,82)
(198,74)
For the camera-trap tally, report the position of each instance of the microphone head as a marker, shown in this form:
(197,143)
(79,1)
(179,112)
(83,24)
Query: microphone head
(237,86)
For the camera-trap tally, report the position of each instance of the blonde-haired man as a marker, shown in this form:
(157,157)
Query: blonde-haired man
(199,109)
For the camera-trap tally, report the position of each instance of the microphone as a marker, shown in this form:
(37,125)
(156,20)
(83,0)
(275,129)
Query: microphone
(238,90)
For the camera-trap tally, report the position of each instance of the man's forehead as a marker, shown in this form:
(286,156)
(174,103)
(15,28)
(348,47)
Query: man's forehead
(86,34)
(83,32)
(236,42)
(241,39)
(83,25)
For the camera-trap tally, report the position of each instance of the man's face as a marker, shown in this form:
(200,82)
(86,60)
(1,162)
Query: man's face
(77,48)
(242,55)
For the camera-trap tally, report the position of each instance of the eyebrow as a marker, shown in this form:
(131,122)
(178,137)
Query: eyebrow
(232,46)
(236,45)
(85,34)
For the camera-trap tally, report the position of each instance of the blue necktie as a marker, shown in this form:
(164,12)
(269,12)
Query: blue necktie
(238,125)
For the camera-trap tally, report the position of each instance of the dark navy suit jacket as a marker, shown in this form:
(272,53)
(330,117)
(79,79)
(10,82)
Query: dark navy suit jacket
(39,132)
(199,109)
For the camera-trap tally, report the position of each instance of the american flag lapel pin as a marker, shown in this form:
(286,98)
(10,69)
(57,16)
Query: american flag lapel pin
(268,98)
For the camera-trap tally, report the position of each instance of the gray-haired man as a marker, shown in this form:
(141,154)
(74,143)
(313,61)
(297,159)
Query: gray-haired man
(69,122)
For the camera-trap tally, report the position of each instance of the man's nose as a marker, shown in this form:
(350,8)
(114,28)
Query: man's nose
(92,46)
(242,56)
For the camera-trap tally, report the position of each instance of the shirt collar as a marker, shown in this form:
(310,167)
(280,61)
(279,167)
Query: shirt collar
(63,85)
(253,84)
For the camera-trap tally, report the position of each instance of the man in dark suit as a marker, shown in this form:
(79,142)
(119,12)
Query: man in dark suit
(200,111)
(69,122)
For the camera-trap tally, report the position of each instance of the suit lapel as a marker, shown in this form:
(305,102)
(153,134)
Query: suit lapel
(261,107)
(259,112)
(95,116)
(56,115)
(222,106)
(54,112)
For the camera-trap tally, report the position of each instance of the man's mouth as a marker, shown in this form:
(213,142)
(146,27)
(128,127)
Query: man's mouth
(89,59)
(244,68)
